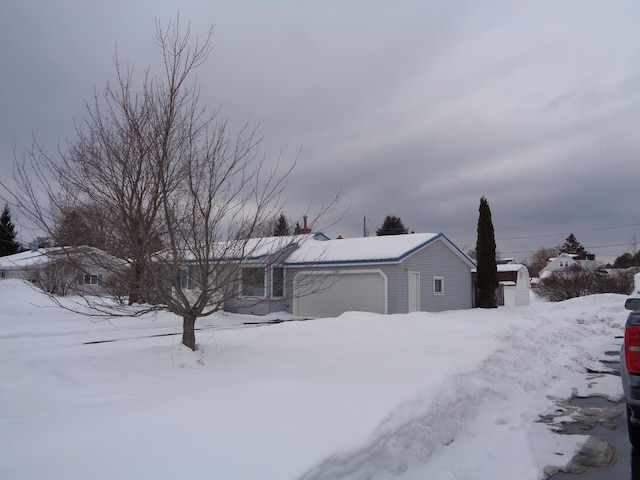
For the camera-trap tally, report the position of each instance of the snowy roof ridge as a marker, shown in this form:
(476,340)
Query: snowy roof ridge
(26,258)
(257,248)
(363,250)
(29,258)
(510,267)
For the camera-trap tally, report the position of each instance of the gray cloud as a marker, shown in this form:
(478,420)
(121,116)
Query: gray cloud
(409,108)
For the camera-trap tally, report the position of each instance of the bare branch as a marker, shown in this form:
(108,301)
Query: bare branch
(156,180)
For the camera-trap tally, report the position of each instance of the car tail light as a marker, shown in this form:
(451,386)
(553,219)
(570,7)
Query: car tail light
(632,349)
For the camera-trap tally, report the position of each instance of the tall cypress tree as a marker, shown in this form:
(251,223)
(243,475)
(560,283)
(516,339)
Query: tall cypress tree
(8,244)
(487,280)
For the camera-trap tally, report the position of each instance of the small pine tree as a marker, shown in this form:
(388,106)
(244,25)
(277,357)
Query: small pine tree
(392,225)
(281,227)
(8,244)
(487,279)
(573,246)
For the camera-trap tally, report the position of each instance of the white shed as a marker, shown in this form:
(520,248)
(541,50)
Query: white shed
(515,282)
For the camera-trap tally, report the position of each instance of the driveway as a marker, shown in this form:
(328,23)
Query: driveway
(608,454)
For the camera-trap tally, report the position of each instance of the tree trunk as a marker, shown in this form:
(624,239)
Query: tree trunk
(189,331)
(135,286)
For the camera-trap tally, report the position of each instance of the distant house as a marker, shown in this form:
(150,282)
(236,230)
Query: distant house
(387,274)
(61,270)
(565,260)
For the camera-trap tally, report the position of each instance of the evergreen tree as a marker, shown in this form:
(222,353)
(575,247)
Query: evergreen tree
(392,225)
(487,280)
(627,260)
(623,261)
(73,230)
(8,244)
(573,246)
(281,227)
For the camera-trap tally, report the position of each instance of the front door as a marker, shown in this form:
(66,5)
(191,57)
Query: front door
(414,291)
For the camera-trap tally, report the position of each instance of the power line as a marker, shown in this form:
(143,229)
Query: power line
(578,231)
(586,247)
(563,233)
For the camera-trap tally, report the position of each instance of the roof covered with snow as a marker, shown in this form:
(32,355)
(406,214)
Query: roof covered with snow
(25,259)
(40,256)
(510,267)
(383,249)
(254,248)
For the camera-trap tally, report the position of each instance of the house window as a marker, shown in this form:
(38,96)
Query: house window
(277,282)
(91,279)
(3,274)
(253,282)
(438,285)
(184,279)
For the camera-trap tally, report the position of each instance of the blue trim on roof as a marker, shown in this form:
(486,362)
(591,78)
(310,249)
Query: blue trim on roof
(381,260)
(341,262)
(464,255)
(421,246)
(224,259)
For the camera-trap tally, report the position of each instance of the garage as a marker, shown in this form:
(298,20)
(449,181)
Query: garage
(329,294)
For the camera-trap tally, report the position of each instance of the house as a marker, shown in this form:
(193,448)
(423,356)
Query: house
(62,270)
(565,260)
(19,265)
(386,274)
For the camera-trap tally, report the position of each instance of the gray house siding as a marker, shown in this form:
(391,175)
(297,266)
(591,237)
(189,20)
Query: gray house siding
(397,285)
(261,305)
(437,260)
(19,274)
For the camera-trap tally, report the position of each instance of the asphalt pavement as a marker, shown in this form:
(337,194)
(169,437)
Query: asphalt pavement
(609,456)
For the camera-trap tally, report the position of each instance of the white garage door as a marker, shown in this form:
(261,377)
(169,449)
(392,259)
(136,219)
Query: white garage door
(329,295)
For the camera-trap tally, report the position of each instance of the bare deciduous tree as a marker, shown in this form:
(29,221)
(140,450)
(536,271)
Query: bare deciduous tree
(565,283)
(634,250)
(539,259)
(180,196)
(576,281)
(56,277)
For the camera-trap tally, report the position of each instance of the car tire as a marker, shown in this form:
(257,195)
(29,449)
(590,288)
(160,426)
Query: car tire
(633,429)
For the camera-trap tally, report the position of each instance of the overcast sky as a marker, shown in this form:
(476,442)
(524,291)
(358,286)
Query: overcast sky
(407,108)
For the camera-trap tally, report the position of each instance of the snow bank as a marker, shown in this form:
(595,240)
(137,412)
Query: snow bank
(453,395)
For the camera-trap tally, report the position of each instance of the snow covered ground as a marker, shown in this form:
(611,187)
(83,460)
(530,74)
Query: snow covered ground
(453,395)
